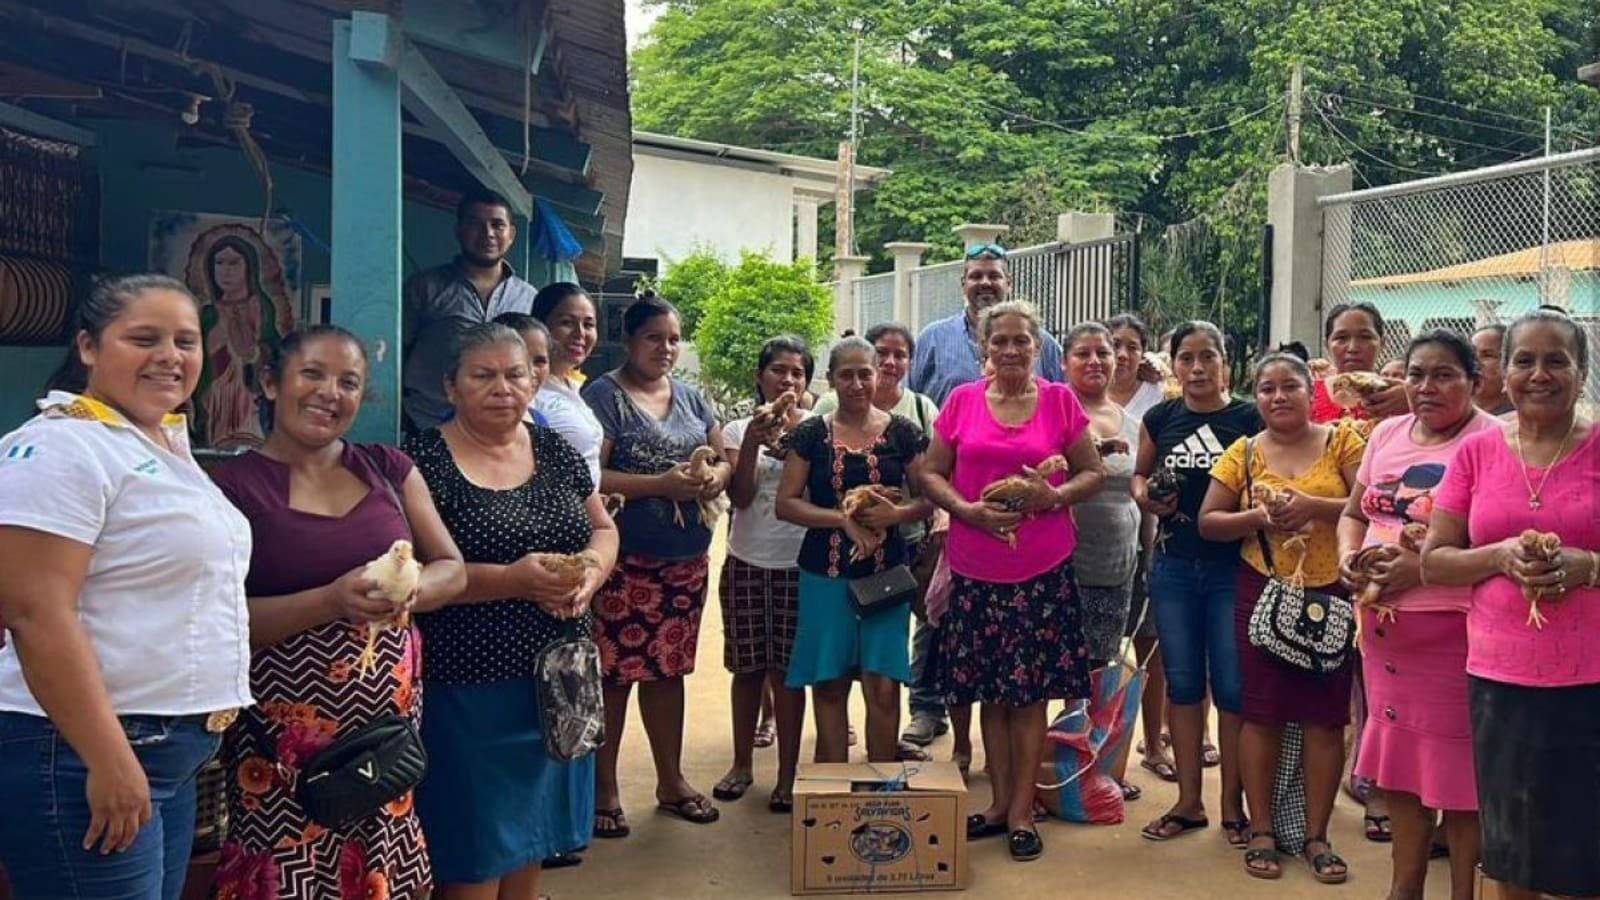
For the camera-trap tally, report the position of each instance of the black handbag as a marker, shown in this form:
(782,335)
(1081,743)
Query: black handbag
(572,709)
(357,774)
(886,590)
(1306,628)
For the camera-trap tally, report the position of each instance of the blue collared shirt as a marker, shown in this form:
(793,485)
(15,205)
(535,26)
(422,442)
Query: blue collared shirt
(947,357)
(437,305)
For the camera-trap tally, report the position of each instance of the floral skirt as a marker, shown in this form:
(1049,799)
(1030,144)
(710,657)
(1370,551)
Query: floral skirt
(647,618)
(1013,644)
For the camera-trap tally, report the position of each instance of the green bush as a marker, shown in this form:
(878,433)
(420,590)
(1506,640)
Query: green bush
(758,299)
(690,282)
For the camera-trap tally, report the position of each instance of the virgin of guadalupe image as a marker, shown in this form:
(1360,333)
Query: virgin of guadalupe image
(245,312)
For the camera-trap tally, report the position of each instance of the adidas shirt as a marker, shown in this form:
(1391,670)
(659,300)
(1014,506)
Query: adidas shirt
(1190,443)
(163,602)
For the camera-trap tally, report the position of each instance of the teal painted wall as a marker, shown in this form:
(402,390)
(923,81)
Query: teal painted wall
(141,170)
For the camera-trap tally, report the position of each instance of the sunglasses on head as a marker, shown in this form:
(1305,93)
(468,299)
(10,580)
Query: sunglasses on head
(978,251)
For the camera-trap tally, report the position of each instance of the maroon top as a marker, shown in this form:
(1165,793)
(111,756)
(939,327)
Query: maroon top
(296,550)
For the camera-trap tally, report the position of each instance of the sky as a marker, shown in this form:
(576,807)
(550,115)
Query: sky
(638,20)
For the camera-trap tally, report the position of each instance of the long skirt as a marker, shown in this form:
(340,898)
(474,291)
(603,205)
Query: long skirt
(1275,692)
(647,618)
(1013,644)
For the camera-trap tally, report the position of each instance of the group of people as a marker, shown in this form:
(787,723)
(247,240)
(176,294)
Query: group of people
(1033,495)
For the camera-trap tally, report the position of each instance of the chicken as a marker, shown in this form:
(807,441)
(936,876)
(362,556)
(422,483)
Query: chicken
(1012,491)
(396,574)
(1544,545)
(1163,483)
(614,504)
(1110,446)
(1350,388)
(1170,387)
(1321,369)
(780,409)
(701,463)
(862,498)
(1412,537)
(1275,499)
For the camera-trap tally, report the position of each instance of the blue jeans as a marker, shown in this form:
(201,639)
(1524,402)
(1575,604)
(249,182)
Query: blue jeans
(925,697)
(47,814)
(1192,600)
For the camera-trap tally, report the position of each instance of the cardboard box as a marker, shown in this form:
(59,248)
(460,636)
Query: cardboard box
(878,828)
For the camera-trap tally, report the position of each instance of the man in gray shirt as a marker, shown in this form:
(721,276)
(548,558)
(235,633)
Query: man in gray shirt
(440,303)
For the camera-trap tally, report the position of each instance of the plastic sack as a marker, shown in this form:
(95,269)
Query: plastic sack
(571,702)
(937,599)
(1083,743)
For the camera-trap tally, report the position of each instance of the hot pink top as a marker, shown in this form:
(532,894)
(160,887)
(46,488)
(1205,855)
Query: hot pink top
(987,451)
(1402,477)
(1484,484)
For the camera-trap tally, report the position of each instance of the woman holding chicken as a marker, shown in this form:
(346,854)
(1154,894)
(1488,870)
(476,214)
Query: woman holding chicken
(1011,455)
(1517,519)
(1281,493)
(518,501)
(1417,748)
(321,508)
(845,480)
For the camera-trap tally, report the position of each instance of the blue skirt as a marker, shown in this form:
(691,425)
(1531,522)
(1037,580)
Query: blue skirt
(831,641)
(493,802)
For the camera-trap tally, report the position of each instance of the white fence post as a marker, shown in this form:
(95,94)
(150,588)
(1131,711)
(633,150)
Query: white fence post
(973,233)
(1076,227)
(907,257)
(1298,255)
(846,270)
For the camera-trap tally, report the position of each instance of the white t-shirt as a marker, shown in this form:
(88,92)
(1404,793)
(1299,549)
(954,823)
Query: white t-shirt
(756,535)
(572,418)
(1149,394)
(163,602)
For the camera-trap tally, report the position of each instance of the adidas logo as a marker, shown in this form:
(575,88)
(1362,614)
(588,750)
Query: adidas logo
(1200,450)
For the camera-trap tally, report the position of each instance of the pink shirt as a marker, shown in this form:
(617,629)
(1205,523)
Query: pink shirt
(987,451)
(1402,477)
(1484,484)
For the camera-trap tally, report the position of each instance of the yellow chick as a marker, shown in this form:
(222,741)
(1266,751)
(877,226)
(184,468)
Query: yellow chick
(396,573)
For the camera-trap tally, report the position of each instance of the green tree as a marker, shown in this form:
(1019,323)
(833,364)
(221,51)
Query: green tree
(690,282)
(759,299)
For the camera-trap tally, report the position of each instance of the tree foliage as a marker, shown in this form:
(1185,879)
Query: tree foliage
(756,300)
(690,282)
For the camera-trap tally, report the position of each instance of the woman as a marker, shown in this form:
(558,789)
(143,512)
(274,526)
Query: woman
(536,337)
(1136,394)
(113,542)
(569,315)
(320,509)
(760,585)
(829,454)
(1013,637)
(1316,466)
(895,347)
(1534,692)
(1415,663)
(494,804)
(1192,577)
(648,615)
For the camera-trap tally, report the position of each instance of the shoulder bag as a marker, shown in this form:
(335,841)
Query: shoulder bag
(571,700)
(1306,628)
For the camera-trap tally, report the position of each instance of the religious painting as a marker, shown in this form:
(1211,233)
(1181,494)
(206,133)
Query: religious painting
(248,282)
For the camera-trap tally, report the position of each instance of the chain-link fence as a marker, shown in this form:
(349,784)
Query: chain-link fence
(874,300)
(936,292)
(1470,248)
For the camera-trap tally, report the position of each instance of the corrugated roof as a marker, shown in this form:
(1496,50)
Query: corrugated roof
(1576,255)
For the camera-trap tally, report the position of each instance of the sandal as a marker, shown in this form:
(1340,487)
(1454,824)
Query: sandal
(778,803)
(1130,791)
(1321,862)
(1164,770)
(1157,830)
(696,809)
(766,734)
(1210,756)
(618,827)
(733,787)
(1268,855)
(1237,831)
(1378,829)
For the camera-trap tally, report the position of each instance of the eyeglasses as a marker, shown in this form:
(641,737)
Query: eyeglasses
(978,251)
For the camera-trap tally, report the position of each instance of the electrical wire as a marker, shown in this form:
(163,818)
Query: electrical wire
(1537,136)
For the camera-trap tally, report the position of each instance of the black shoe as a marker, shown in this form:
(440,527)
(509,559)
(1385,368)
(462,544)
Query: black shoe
(1025,845)
(562,861)
(979,827)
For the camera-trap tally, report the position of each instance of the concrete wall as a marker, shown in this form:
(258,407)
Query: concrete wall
(141,170)
(675,205)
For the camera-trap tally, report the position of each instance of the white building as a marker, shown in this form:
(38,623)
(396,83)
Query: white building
(689,193)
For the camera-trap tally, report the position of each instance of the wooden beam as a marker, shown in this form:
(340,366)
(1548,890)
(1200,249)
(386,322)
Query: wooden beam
(45,127)
(375,41)
(476,31)
(442,113)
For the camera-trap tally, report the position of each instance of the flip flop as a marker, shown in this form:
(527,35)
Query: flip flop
(766,734)
(1236,828)
(1157,830)
(1210,756)
(619,824)
(732,788)
(1130,791)
(696,809)
(1378,829)
(780,804)
(1163,769)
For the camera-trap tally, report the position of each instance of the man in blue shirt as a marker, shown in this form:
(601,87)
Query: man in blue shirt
(948,354)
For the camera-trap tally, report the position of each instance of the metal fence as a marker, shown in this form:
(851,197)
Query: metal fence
(1470,248)
(874,297)
(936,292)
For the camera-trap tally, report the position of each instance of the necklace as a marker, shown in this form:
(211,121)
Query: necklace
(1533,492)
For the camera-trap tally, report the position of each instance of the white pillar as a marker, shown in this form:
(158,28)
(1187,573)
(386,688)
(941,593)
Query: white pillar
(805,229)
(846,269)
(907,257)
(1303,255)
(973,234)
(1079,227)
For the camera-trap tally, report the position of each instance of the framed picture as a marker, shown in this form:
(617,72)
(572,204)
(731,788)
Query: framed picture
(612,308)
(319,304)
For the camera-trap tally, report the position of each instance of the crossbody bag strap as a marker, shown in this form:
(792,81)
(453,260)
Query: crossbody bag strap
(1261,536)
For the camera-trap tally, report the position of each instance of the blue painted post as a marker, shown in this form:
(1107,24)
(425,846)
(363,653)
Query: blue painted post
(366,209)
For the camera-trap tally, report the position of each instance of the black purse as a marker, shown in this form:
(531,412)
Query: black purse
(359,773)
(889,589)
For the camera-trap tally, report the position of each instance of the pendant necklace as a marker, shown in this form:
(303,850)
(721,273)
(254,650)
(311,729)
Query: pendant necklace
(1534,502)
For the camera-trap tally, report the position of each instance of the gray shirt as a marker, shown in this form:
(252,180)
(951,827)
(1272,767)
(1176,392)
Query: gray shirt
(1108,522)
(437,305)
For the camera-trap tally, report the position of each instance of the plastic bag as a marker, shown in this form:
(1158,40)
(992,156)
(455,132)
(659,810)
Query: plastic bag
(571,701)
(1085,740)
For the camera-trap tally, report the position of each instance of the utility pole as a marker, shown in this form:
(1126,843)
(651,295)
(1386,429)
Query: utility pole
(845,208)
(1544,241)
(1296,92)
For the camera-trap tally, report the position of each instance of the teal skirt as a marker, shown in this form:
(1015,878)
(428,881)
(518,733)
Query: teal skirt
(493,802)
(831,641)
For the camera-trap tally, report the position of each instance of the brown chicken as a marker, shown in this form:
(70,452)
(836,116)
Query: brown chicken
(1412,537)
(1542,545)
(1350,388)
(1012,491)
(397,574)
(780,409)
(1275,499)
(1320,368)
(1109,446)
(862,498)
(701,464)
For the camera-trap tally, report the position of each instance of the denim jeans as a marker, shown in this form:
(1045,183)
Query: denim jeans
(47,814)
(1192,600)
(925,697)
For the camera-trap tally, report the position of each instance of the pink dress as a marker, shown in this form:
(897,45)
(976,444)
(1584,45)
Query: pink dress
(1418,735)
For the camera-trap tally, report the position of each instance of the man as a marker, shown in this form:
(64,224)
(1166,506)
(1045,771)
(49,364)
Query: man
(948,350)
(438,304)
(947,356)
(1491,393)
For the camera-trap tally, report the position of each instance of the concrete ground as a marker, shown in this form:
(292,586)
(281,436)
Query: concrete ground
(746,853)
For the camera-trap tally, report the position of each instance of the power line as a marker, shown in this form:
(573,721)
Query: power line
(1508,148)
(1444,118)
(1367,153)
(1414,95)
